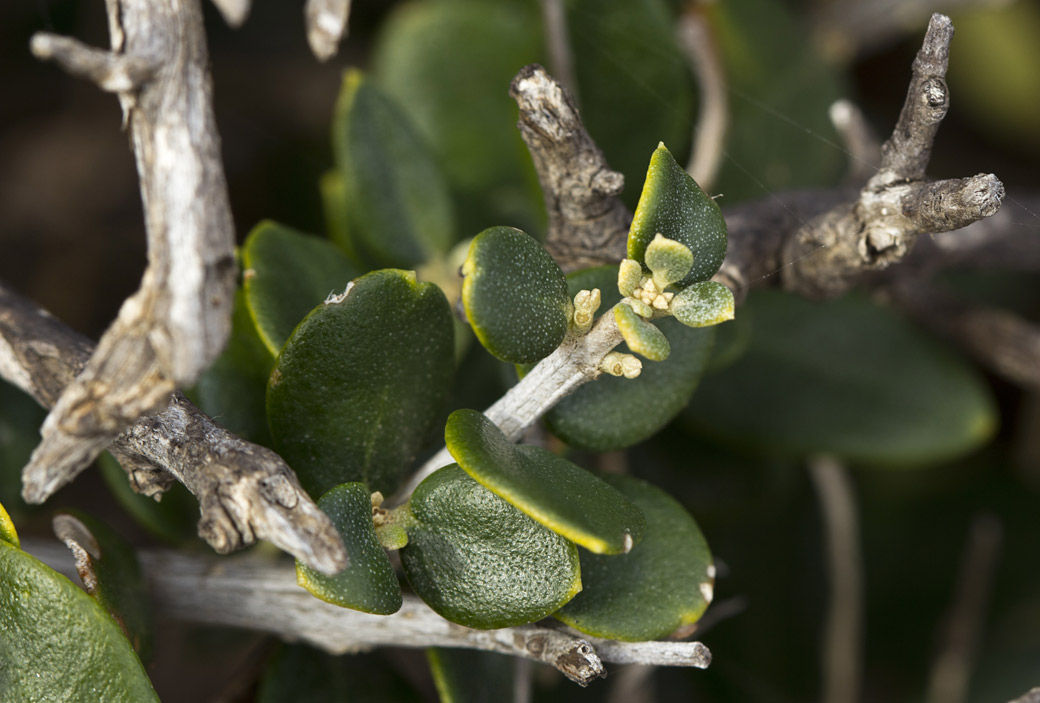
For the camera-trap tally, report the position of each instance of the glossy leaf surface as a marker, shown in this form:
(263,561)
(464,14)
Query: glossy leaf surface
(613,413)
(356,389)
(480,562)
(58,643)
(515,295)
(287,273)
(368,583)
(673,205)
(111,574)
(642,337)
(560,495)
(847,377)
(398,203)
(665,582)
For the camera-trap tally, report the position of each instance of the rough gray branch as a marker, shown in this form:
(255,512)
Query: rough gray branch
(245,492)
(705,61)
(245,592)
(326,22)
(178,320)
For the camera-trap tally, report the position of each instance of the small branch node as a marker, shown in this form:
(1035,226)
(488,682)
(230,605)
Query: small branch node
(114,73)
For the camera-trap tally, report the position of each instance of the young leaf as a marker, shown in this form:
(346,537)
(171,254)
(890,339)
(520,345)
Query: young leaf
(397,199)
(480,562)
(641,336)
(560,495)
(368,583)
(664,583)
(59,644)
(703,304)
(7,532)
(668,260)
(359,384)
(847,377)
(614,413)
(515,295)
(673,205)
(108,566)
(286,274)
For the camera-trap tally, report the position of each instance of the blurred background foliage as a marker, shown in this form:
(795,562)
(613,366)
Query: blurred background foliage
(71,237)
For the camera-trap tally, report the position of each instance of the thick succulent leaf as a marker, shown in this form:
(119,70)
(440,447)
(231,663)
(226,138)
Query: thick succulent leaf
(515,295)
(471,676)
(613,413)
(298,673)
(781,87)
(847,377)
(633,84)
(480,562)
(337,213)
(108,567)
(172,519)
(673,205)
(358,386)
(449,65)
(368,583)
(58,643)
(641,336)
(286,274)
(7,532)
(400,210)
(560,495)
(664,583)
(703,304)
(234,388)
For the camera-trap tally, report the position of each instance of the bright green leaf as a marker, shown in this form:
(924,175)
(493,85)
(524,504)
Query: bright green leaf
(847,377)
(703,304)
(641,336)
(286,274)
(633,85)
(480,562)
(368,583)
(108,566)
(397,198)
(664,583)
(613,413)
(358,386)
(7,531)
(449,66)
(58,643)
(233,388)
(471,676)
(560,495)
(668,260)
(673,205)
(515,295)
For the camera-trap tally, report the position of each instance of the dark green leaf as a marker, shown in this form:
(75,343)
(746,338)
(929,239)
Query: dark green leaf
(108,566)
(397,198)
(847,377)
(665,582)
(633,85)
(471,676)
(480,562)
(58,643)
(673,205)
(515,295)
(337,213)
(358,386)
(20,420)
(449,65)
(613,413)
(172,519)
(286,274)
(369,582)
(560,495)
(301,674)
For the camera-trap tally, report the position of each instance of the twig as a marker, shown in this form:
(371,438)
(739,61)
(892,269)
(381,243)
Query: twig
(709,134)
(234,12)
(950,673)
(326,22)
(834,251)
(587,222)
(245,592)
(245,491)
(844,623)
(860,142)
(561,60)
(1032,696)
(179,319)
